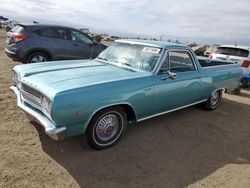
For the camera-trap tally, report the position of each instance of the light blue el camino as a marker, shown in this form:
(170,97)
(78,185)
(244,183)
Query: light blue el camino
(130,81)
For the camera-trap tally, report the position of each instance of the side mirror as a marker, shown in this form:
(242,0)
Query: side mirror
(172,75)
(97,38)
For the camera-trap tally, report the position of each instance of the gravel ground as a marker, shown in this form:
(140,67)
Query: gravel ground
(187,148)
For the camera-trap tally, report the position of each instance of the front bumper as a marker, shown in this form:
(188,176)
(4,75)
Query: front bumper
(56,133)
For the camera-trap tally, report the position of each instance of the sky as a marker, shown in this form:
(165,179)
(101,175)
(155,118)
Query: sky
(211,21)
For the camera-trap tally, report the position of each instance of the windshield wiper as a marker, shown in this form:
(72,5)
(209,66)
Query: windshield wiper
(102,58)
(117,63)
(125,65)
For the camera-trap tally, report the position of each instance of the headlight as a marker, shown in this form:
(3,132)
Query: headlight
(46,104)
(14,78)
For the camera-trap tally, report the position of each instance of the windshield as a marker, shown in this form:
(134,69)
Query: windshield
(131,56)
(232,51)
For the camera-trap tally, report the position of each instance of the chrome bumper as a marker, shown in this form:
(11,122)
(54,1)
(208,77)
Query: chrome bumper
(50,129)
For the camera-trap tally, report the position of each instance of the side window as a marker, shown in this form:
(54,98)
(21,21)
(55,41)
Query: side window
(61,34)
(180,61)
(79,37)
(47,33)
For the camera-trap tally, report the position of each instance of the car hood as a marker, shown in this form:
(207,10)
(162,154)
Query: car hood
(55,77)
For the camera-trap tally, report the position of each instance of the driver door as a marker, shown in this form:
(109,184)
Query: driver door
(170,93)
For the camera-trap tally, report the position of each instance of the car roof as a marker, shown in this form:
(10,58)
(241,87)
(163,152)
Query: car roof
(33,25)
(153,43)
(237,47)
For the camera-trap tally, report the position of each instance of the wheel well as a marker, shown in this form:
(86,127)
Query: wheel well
(130,112)
(131,116)
(221,90)
(34,51)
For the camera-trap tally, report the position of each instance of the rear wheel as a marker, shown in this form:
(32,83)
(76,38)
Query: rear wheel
(106,128)
(245,83)
(37,57)
(214,100)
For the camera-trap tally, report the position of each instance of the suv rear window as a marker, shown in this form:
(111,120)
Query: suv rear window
(17,29)
(232,51)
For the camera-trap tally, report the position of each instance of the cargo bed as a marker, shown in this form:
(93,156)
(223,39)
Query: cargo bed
(206,62)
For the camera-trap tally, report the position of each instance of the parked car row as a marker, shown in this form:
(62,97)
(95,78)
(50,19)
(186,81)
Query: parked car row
(32,43)
(6,25)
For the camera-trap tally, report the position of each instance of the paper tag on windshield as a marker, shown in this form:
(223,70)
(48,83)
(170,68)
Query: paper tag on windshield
(151,50)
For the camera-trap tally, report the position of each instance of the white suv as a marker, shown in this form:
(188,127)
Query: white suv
(239,54)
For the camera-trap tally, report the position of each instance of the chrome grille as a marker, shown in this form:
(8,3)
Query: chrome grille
(30,96)
(30,90)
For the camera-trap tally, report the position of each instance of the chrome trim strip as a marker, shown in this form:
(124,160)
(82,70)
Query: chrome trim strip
(142,119)
(233,64)
(50,129)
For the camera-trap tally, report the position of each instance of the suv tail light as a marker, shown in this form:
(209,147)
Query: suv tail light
(18,37)
(210,56)
(245,64)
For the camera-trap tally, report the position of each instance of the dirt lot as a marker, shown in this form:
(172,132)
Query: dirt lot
(187,148)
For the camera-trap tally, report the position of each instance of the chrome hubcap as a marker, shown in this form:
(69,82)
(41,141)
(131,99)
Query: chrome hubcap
(37,59)
(107,127)
(215,98)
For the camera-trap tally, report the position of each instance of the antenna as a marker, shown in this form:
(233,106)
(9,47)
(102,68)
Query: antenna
(235,43)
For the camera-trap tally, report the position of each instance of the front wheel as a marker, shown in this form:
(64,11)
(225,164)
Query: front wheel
(214,100)
(106,128)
